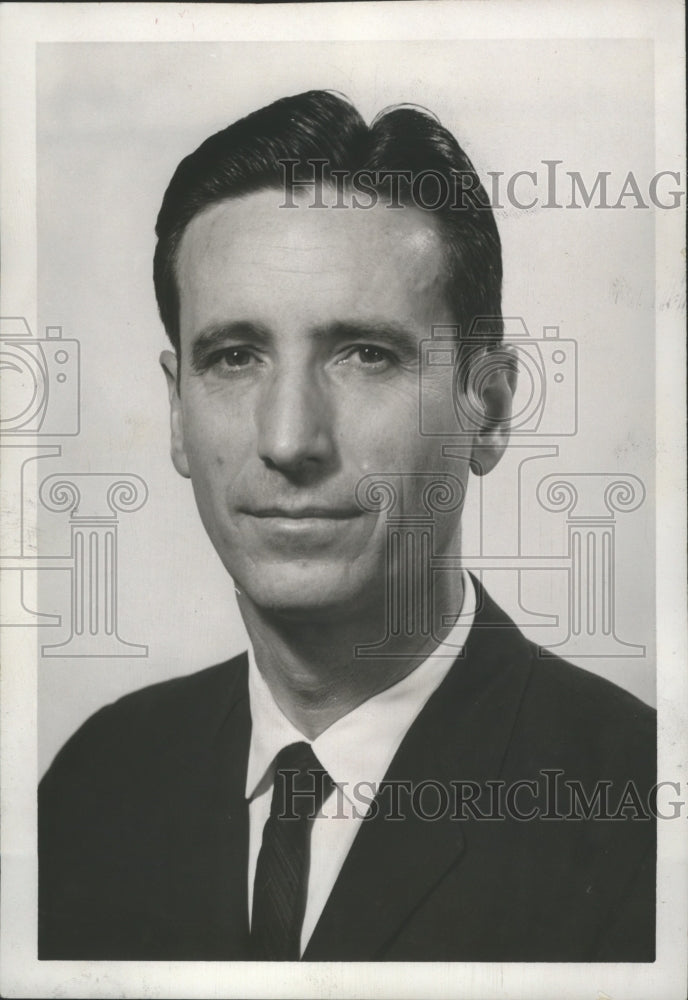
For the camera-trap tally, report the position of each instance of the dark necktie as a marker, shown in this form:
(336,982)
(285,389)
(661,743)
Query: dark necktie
(281,882)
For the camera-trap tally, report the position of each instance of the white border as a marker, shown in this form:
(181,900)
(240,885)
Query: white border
(22,26)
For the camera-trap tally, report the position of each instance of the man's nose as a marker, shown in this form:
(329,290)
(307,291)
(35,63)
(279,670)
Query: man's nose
(295,430)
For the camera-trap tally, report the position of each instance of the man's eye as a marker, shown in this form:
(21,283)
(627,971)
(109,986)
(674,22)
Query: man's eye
(367,356)
(234,357)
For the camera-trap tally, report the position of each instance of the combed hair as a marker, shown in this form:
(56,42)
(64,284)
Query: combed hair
(249,156)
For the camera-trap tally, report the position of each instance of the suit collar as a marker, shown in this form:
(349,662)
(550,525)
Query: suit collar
(462,734)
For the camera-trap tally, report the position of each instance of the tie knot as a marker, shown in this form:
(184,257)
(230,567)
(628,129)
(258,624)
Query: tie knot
(301,783)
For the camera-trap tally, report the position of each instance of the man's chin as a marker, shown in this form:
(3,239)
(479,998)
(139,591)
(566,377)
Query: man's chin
(307,592)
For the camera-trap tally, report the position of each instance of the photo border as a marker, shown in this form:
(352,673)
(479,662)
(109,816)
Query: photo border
(26,25)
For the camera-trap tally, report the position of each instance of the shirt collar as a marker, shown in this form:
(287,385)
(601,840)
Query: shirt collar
(360,746)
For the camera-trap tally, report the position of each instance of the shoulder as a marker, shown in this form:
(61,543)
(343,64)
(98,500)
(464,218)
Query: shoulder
(566,715)
(572,693)
(574,690)
(186,697)
(162,717)
(574,718)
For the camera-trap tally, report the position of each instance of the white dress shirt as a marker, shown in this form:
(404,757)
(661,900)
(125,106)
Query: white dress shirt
(356,751)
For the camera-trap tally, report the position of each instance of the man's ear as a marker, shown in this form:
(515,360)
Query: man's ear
(170,365)
(492,380)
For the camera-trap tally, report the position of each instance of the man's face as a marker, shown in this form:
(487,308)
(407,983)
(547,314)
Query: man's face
(300,334)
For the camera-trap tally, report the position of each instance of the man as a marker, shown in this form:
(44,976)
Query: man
(331,796)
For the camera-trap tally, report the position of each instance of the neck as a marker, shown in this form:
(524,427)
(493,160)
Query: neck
(312,668)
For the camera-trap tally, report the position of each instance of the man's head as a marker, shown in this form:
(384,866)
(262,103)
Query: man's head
(283,140)
(297,334)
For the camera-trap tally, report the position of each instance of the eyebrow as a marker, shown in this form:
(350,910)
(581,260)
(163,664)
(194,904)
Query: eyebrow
(396,335)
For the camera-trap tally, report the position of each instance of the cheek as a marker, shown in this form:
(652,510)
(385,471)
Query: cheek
(211,439)
(208,467)
(379,419)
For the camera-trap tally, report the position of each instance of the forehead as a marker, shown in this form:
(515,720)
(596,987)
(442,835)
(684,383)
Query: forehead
(251,258)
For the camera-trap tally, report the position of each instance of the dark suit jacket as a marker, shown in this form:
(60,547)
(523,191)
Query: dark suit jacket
(144,827)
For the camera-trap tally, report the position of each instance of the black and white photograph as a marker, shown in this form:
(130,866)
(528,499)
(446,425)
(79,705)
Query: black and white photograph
(343,457)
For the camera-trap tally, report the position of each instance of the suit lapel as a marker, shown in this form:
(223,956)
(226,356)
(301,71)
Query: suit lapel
(461,734)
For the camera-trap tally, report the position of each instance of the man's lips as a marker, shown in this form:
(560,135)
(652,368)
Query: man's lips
(303,513)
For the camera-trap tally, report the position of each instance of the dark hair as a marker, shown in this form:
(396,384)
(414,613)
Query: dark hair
(250,154)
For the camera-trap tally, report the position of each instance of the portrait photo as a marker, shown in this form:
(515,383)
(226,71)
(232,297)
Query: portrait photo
(343,447)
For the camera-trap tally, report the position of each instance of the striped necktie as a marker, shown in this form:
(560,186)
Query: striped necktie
(279,893)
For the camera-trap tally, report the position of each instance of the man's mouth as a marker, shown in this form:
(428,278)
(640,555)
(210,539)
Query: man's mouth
(316,511)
